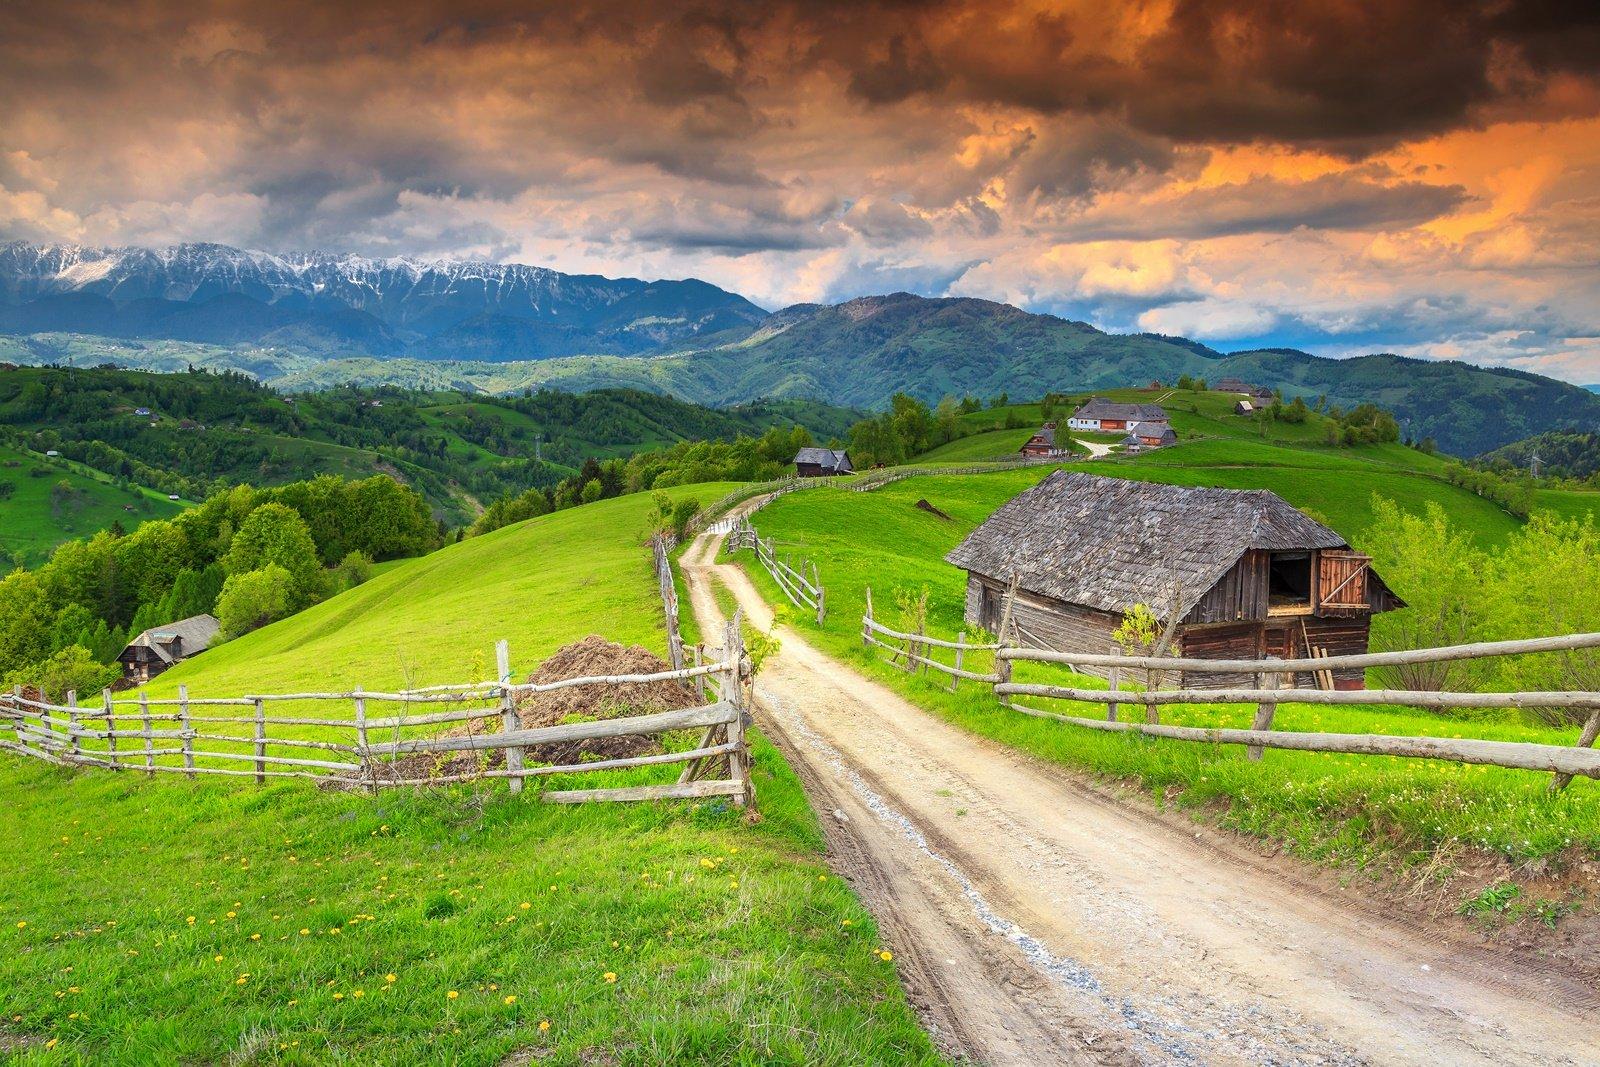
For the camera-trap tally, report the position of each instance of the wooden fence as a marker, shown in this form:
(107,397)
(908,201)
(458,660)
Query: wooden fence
(198,735)
(660,547)
(916,651)
(801,591)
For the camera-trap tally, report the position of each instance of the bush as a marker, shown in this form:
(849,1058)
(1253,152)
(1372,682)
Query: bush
(73,668)
(353,570)
(251,600)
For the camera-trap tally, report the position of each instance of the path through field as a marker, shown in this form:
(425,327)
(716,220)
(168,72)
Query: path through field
(1037,920)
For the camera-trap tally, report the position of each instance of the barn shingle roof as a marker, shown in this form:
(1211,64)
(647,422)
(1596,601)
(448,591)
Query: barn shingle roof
(1111,543)
(196,633)
(829,458)
(1101,408)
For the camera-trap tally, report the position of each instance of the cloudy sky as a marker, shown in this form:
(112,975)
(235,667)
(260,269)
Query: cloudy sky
(1416,176)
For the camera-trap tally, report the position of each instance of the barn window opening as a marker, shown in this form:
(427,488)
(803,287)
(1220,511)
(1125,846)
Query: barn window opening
(1289,580)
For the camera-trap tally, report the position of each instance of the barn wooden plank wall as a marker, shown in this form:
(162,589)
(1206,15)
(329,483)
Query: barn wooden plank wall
(197,735)
(1260,685)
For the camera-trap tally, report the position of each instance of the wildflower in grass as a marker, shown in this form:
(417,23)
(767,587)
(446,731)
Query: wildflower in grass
(885,955)
(525,905)
(241,980)
(510,1000)
(22,925)
(335,930)
(233,914)
(189,920)
(255,937)
(52,1043)
(338,996)
(216,959)
(304,932)
(544,1026)
(359,993)
(391,979)
(611,977)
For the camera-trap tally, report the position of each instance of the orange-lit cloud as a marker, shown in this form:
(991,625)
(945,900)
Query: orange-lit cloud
(1411,175)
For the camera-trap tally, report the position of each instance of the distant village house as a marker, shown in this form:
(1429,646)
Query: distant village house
(162,646)
(1043,443)
(1103,416)
(1233,385)
(822,463)
(1143,435)
(1246,575)
(1244,407)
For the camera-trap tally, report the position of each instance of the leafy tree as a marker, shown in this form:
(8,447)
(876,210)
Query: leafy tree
(276,535)
(69,669)
(355,569)
(255,598)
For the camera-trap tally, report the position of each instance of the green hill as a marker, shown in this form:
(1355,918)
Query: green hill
(186,921)
(46,500)
(1562,454)
(205,430)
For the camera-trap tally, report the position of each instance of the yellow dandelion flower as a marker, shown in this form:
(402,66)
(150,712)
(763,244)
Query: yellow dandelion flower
(510,1000)
(611,976)
(52,1043)
(338,996)
(255,937)
(359,993)
(240,980)
(525,905)
(335,930)
(544,1026)
(292,1003)
(216,959)
(233,914)
(304,931)
(452,995)
(189,920)
(22,924)
(885,955)
(391,979)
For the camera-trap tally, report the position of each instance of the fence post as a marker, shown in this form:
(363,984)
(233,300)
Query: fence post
(188,732)
(699,679)
(738,756)
(1586,738)
(149,738)
(111,729)
(955,679)
(367,770)
(509,721)
(1265,710)
(22,722)
(74,749)
(1114,676)
(261,742)
(866,622)
(1002,666)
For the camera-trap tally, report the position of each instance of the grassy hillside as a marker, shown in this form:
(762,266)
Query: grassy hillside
(160,921)
(1346,809)
(203,430)
(47,500)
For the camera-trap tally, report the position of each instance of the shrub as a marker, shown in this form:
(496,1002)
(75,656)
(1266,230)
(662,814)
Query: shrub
(251,600)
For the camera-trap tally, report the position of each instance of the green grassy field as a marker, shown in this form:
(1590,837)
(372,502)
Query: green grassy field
(162,921)
(1344,809)
(36,515)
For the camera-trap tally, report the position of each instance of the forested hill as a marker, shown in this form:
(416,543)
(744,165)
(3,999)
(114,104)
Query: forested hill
(1560,455)
(202,430)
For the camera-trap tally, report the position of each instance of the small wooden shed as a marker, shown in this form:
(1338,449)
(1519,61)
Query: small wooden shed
(822,462)
(161,646)
(1247,575)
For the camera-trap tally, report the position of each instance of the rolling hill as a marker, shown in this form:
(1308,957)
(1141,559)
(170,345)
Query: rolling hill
(50,499)
(313,321)
(202,430)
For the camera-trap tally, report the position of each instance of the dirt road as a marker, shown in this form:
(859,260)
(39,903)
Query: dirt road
(1037,920)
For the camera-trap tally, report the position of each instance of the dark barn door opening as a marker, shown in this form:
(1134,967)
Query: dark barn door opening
(1289,579)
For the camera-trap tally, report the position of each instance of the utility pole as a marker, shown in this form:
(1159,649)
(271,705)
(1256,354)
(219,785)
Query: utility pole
(1534,463)
(538,455)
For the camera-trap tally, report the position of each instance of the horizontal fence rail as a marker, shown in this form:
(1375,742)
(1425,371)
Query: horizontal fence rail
(911,651)
(382,750)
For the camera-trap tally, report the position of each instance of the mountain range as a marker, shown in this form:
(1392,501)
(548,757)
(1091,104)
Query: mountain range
(310,321)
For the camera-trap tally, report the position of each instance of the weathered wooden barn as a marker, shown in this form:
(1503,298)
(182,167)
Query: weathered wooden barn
(1150,435)
(161,646)
(1247,575)
(822,462)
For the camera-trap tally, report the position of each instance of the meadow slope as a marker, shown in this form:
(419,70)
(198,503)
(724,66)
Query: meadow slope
(159,920)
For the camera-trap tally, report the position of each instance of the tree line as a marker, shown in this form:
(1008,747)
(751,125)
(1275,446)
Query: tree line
(247,555)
